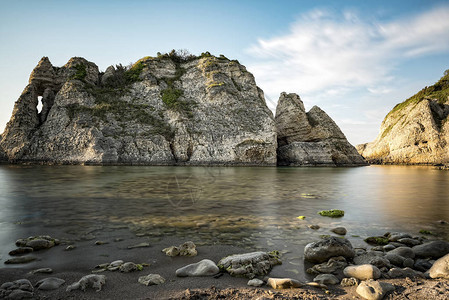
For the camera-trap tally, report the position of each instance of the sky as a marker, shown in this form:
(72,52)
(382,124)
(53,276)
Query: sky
(354,59)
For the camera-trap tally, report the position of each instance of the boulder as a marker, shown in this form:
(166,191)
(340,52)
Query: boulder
(333,265)
(403,273)
(151,279)
(326,279)
(92,280)
(339,230)
(405,252)
(372,258)
(250,264)
(362,272)
(321,251)
(186,249)
(434,249)
(440,269)
(50,283)
(205,267)
(374,290)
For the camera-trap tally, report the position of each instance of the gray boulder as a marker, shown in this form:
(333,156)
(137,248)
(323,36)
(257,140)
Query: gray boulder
(372,258)
(250,264)
(440,268)
(321,251)
(434,249)
(326,279)
(405,252)
(333,265)
(403,273)
(50,283)
(205,267)
(151,279)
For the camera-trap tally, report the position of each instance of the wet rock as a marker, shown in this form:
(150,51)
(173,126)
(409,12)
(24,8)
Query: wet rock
(151,279)
(321,251)
(326,279)
(396,236)
(377,240)
(422,265)
(314,227)
(20,251)
(405,252)
(50,283)
(141,245)
(409,242)
(250,264)
(38,242)
(284,283)
(255,282)
(440,268)
(349,281)
(205,267)
(92,280)
(362,272)
(408,263)
(339,230)
(20,260)
(372,259)
(333,265)
(403,273)
(389,247)
(434,249)
(395,259)
(42,270)
(186,249)
(374,290)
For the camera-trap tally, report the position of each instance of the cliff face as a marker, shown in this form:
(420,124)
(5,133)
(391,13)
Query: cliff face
(416,131)
(164,110)
(312,138)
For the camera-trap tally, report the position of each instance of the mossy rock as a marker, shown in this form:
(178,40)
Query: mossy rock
(333,213)
(377,240)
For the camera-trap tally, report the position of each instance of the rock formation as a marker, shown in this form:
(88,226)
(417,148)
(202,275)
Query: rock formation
(415,131)
(166,110)
(312,138)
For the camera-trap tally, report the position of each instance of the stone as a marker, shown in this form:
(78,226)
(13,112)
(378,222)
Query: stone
(409,242)
(395,259)
(38,242)
(333,265)
(42,270)
(50,283)
(186,249)
(99,243)
(321,251)
(312,138)
(255,282)
(92,280)
(403,273)
(128,267)
(374,290)
(405,252)
(389,247)
(140,245)
(20,260)
(326,279)
(339,230)
(205,267)
(372,259)
(440,268)
(19,294)
(362,272)
(314,227)
(422,265)
(408,263)
(250,264)
(151,279)
(76,126)
(349,282)
(19,289)
(284,283)
(70,247)
(317,285)
(434,249)
(20,251)
(414,132)
(396,236)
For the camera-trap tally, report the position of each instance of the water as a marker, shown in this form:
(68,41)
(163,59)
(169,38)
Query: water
(256,208)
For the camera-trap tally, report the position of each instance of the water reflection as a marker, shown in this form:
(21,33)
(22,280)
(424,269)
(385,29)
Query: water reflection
(251,206)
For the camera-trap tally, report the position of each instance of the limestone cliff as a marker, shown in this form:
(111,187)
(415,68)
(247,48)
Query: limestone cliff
(166,110)
(416,131)
(312,138)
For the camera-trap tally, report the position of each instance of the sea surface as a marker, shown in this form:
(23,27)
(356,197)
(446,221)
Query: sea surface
(250,207)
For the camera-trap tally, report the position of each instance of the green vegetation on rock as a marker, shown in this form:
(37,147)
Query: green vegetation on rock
(377,240)
(423,231)
(133,74)
(80,73)
(333,213)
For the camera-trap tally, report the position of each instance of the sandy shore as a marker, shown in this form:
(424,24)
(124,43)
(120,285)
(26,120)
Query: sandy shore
(72,265)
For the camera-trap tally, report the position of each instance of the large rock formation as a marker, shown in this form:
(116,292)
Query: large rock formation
(312,138)
(416,131)
(166,110)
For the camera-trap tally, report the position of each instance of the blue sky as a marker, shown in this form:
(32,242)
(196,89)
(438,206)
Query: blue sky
(354,59)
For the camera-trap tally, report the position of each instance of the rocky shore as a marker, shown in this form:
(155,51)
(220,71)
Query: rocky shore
(118,266)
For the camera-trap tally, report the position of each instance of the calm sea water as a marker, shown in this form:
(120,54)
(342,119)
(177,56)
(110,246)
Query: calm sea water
(249,207)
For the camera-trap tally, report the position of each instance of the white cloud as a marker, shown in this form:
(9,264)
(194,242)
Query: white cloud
(332,53)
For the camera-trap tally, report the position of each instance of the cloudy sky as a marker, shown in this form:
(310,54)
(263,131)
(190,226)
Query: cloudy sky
(354,59)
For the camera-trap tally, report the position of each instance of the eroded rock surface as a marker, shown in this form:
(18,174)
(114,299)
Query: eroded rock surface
(250,264)
(312,138)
